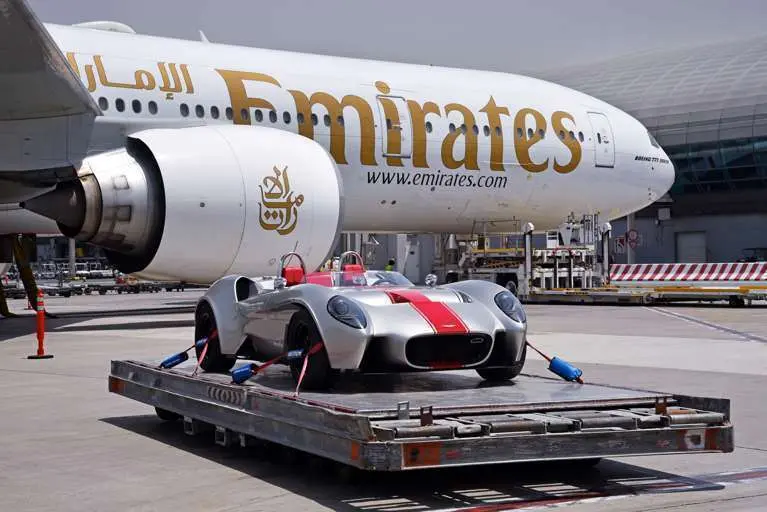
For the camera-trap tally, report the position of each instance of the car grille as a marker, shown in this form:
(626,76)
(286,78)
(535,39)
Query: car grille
(448,350)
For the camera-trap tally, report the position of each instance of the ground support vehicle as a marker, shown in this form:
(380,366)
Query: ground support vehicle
(428,420)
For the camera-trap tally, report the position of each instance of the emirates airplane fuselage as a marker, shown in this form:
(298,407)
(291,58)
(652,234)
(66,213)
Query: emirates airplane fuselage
(237,154)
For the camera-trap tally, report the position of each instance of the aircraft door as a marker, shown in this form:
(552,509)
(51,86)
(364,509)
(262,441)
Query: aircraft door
(397,130)
(604,155)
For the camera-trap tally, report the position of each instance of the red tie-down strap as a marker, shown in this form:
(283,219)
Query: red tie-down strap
(313,350)
(212,335)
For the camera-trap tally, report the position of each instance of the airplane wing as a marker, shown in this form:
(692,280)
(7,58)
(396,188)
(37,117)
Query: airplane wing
(46,114)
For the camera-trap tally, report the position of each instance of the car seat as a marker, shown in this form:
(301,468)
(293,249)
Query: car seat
(293,275)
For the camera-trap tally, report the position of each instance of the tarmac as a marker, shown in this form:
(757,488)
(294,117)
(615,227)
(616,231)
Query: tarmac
(69,445)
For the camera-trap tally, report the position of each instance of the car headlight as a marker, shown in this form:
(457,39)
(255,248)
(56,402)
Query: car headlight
(510,305)
(347,312)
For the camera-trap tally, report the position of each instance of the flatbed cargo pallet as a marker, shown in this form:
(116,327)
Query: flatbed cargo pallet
(427,420)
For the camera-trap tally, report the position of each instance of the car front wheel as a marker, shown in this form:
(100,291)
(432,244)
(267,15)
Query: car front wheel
(503,374)
(204,325)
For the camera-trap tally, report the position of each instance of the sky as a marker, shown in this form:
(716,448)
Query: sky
(505,35)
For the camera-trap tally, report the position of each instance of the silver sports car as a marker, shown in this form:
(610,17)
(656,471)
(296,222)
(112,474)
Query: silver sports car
(366,320)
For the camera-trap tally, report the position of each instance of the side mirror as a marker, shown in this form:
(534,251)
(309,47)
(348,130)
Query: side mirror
(430,280)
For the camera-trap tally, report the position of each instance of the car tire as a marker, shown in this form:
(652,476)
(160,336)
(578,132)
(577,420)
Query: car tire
(204,324)
(302,334)
(504,374)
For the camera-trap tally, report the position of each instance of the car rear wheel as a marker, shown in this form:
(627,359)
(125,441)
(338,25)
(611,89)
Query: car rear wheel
(302,334)
(503,374)
(204,324)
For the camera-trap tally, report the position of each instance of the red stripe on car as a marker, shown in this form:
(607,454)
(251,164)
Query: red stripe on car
(441,318)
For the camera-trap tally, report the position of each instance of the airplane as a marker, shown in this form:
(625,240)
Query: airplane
(190,160)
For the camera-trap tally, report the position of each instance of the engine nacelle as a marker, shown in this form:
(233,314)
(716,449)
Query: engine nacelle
(199,203)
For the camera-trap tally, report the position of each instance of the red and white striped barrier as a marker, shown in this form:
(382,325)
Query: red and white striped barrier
(697,273)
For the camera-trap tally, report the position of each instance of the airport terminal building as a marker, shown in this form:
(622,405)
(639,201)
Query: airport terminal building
(707,107)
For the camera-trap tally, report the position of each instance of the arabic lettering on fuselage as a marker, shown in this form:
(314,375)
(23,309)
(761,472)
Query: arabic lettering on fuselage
(530,126)
(170,80)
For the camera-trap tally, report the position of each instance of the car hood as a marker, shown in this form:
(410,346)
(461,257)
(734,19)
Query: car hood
(415,311)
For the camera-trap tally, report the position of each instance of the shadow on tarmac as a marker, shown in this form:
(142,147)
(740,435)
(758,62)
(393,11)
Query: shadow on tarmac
(496,487)
(26,324)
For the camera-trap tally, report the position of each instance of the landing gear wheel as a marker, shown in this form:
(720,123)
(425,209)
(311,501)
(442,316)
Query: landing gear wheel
(204,324)
(166,415)
(503,374)
(302,334)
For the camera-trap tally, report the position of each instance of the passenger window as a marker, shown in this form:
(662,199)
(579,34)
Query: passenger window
(119,104)
(562,134)
(300,118)
(258,116)
(498,131)
(314,119)
(599,138)
(520,133)
(152,106)
(103,103)
(340,120)
(541,133)
(451,127)
(463,128)
(229,113)
(244,114)
(199,111)
(136,105)
(214,113)
(273,116)
(572,135)
(388,123)
(580,136)
(530,133)
(428,127)
(286,117)
(486,131)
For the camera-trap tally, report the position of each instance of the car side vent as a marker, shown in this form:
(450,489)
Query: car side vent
(244,288)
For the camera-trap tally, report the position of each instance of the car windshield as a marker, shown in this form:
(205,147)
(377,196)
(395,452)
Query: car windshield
(368,278)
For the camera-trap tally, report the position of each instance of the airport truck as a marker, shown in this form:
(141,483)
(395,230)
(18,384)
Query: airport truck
(429,420)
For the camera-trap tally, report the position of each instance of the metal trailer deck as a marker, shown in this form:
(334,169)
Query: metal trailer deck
(427,420)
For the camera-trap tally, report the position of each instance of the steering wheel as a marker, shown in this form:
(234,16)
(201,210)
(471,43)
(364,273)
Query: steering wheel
(382,279)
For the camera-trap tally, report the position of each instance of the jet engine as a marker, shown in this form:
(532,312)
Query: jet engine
(199,203)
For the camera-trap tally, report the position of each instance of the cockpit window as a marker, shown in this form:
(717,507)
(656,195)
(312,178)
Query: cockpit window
(652,140)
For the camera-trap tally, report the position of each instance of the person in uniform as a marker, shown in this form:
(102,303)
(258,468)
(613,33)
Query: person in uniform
(390,265)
